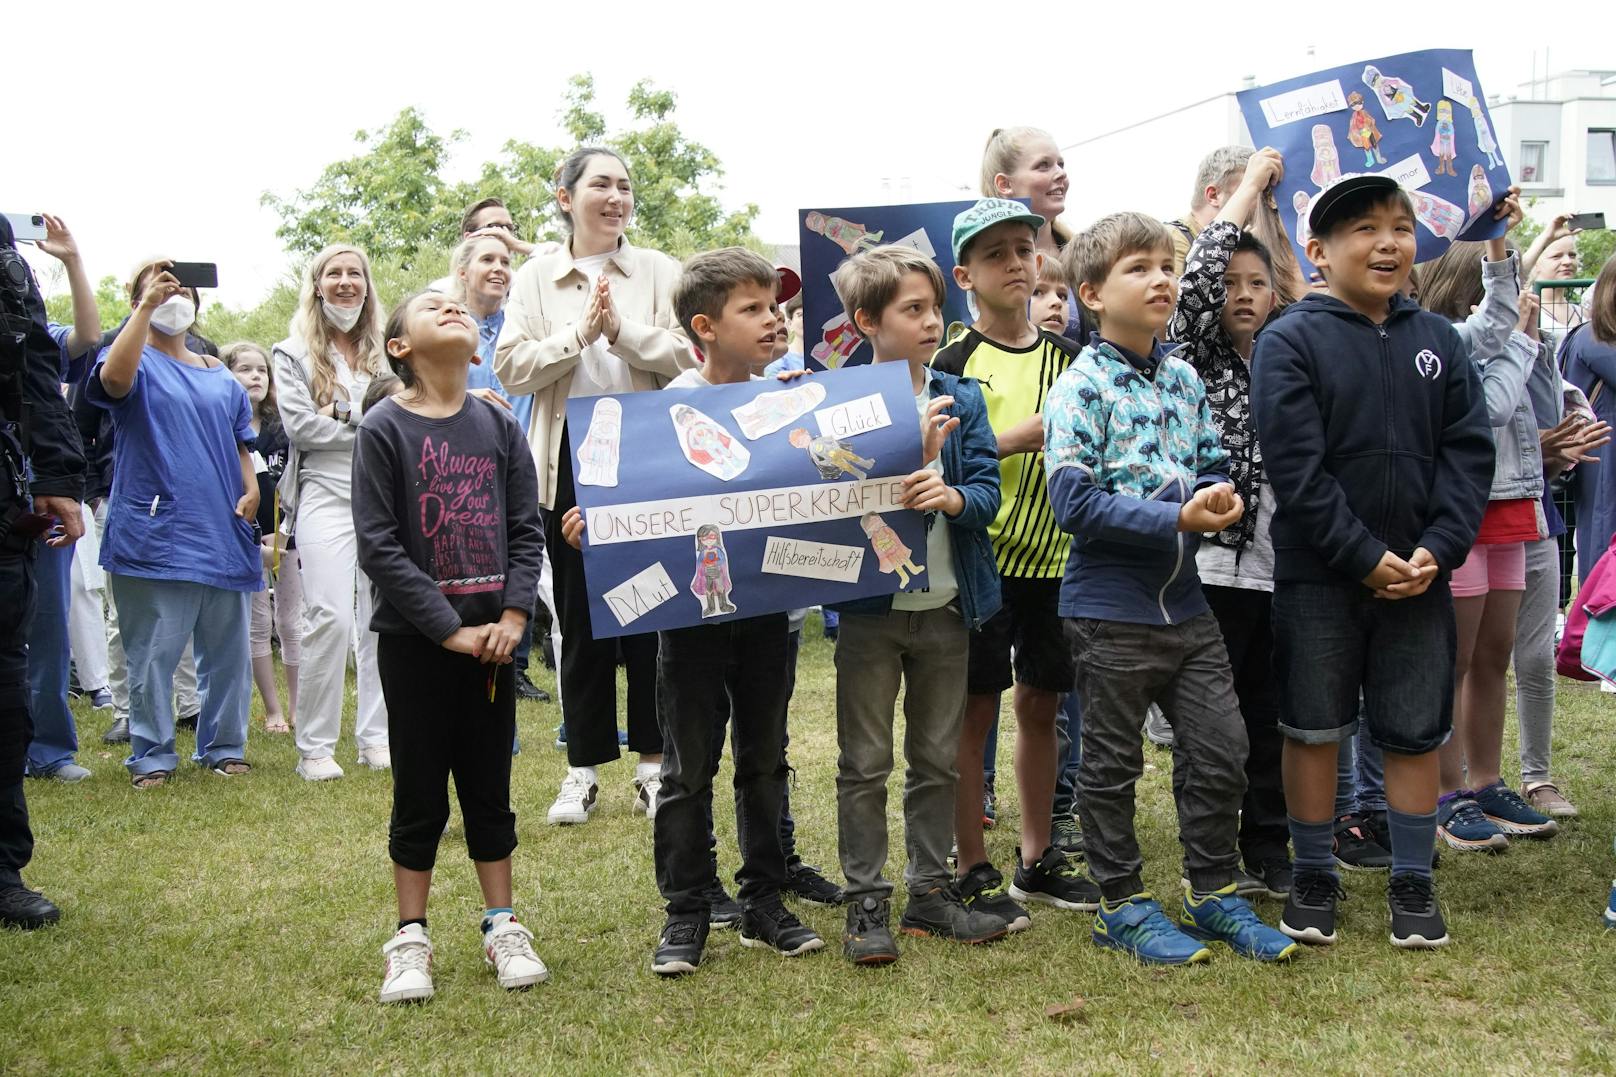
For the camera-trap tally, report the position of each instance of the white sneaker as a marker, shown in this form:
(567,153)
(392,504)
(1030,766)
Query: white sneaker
(320,769)
(378,758)
(578,797)
(508,949)
(646,790)
(408,972)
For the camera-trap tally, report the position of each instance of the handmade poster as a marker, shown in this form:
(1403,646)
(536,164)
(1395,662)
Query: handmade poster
(1420,117)
(738,500)
(829,236)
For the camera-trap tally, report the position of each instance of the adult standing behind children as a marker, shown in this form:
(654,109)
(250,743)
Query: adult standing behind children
(1015,363)
(593,317)
(179,488)
(1025,162)
(1377,444)
(321,373)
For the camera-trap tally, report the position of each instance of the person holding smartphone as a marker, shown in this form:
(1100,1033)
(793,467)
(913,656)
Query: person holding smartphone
(321,373)
(181,546)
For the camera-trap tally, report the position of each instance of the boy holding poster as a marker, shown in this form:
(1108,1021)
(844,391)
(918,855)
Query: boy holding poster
(894,297)
(1015,363)
(1129,436)
(725,300)
(1378,447)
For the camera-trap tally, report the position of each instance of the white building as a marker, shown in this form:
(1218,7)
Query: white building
(1558,136)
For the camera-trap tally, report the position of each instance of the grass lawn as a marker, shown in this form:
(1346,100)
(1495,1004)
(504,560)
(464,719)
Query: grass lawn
(234,926)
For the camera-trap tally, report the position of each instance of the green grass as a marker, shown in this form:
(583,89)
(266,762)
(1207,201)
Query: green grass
(234,926)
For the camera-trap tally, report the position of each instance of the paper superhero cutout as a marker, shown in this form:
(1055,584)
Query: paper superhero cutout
(833,458)
(1481,192)
(1362,132)
(1440,216)
(1326,164)
(707,444)
(851,237)
(1484,135)
(1303,202)
(890,552)
(711,582)
(841,340)
(768,412)
(1443,146)
(598,455)
(1396,97)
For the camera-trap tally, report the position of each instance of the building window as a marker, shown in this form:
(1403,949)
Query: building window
(1602,156)
(1533,156)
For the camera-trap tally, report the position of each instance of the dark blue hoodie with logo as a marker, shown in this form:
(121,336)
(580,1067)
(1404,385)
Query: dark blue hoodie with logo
(1375,438)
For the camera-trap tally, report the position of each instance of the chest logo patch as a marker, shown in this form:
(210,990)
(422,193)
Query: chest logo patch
(1428,364)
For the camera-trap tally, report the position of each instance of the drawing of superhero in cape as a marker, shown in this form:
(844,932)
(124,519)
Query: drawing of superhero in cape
(1443,145)
(833,458)
(1362,132)
(890,552)
(711,583)
(1396,97)
(851,237)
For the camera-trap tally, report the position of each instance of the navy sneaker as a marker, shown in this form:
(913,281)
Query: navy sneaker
(1224,916)
(1508,811)
(1462,824)
(1055,880)
(1139,927)
(1310,909)
(990,807)
(1416,919)
(982,889)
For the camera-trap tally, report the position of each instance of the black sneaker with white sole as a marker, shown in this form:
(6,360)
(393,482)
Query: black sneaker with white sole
(768,924)
(1416,919)
(806,883)
(679,949)
(982,889)
(1276,875)
(1310,909)
(722,910)
(1055,880)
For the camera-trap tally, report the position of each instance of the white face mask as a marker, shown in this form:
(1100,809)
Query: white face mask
(343,318)
(174,316)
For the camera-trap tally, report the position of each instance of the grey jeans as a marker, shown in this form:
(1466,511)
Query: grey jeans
(927,651)
(1121,670)
(1534,657)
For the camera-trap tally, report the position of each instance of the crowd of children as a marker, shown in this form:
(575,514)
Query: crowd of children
(1299,523)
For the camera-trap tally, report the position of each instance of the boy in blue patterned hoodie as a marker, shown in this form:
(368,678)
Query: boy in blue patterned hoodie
(1135,468)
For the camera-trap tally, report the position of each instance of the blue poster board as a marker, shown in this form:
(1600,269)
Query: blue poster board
(1420,117)
(829,236)
(731,501)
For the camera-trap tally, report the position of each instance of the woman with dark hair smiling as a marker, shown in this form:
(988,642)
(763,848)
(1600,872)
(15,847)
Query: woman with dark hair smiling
(593,317)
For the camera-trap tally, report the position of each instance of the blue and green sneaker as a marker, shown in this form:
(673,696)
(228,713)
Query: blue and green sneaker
(1224,916)
(1139,927)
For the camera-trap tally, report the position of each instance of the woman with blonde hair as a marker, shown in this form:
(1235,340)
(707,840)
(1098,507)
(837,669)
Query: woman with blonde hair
(321,372)
(1025,162)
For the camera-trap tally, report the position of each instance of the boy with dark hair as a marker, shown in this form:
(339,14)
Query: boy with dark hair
(894,297)
(1377,444)
(1015,363)
(1129,436)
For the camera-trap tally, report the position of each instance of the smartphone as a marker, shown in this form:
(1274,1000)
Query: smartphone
(1587,222)
(32,225)
(195,274)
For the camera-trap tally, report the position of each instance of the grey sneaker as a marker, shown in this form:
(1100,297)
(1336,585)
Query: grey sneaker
(68,773)
(941,913)
(1065,835)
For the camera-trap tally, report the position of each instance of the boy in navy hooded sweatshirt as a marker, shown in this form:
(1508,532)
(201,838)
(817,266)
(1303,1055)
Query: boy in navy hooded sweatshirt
(1377,445)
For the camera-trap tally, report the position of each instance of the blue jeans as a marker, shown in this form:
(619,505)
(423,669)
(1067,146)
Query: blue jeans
(1335,641)
(56,738)
(156,618)
(1360,777)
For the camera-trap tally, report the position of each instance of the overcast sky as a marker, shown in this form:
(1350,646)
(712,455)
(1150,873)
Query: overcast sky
(159,126)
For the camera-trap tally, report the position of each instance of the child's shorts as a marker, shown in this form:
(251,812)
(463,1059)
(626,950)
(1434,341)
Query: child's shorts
(1028,627)
(1333,640)
(1491,568)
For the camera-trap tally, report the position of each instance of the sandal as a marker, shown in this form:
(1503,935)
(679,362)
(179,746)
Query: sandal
(276,725)
(230,768)
(152,779)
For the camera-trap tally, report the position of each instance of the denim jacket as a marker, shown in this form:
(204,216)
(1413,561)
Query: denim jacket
(971,466)
(1507,361)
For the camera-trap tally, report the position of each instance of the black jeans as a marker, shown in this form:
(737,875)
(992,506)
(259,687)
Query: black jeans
(440,723)
(697,669)
(587,669)
(788,825)
(16,723)
(1246,619)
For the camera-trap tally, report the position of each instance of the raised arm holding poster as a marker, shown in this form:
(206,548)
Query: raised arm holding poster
(1420,117)
(738,500)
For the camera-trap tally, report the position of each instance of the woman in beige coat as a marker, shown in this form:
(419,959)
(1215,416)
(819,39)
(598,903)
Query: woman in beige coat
(592,318)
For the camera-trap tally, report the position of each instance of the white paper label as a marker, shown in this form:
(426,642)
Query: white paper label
(812,560)
(640,594)
(781,506)
(1457,88)
(1410,172)
(918,241)
(854,417)
(1302,104)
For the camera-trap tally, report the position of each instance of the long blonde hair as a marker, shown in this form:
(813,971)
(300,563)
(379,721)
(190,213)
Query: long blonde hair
(318,335)
(1006,149)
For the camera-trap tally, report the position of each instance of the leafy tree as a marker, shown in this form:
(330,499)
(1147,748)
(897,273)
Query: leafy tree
(111,302)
